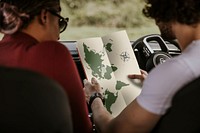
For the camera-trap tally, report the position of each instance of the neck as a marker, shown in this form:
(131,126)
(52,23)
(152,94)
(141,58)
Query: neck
(35,32)
(187,33)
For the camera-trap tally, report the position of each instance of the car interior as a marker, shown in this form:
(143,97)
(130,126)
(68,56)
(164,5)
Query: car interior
(183,116)
(23,103)
(26,109)
(151,50)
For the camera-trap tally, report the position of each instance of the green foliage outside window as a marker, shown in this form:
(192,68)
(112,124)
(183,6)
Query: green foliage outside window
(105,13)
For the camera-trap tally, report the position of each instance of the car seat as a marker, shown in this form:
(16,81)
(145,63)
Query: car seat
(184,114)
(32,103)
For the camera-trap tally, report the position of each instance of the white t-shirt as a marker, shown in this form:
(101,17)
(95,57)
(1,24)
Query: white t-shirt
(166,79)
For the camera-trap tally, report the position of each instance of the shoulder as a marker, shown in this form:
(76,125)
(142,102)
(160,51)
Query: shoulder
(50,47)
(162,83)
(52,44)
(171,69)
(49,51)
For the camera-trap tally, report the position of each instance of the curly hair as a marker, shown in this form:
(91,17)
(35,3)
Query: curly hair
(182,11)
(18,14)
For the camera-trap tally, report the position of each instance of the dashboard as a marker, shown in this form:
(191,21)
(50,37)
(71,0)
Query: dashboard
(153,45)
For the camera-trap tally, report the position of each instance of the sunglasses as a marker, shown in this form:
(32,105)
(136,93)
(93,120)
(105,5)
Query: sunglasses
(63,22)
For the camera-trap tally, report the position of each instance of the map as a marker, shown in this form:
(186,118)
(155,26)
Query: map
(95,62)
(110,59)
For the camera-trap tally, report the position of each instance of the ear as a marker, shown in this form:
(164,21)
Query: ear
(43,17)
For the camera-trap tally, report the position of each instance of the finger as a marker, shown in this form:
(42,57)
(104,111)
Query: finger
(135,76)
(96,85)
(143,72)
(131,76)
(87,99)
(94,81)
(86,95)
(85,81)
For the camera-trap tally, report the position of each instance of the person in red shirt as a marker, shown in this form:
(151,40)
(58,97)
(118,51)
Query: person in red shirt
(31,29)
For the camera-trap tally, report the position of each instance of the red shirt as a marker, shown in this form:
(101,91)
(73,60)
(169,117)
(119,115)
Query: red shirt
(52,59)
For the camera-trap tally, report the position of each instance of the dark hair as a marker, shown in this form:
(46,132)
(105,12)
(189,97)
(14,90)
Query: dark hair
(182,11)
(17,14)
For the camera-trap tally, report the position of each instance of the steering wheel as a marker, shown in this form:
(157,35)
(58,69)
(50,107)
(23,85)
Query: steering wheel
(147,56)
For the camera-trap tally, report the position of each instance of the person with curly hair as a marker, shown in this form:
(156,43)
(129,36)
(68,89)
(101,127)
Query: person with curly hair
(162,83)
(31,29)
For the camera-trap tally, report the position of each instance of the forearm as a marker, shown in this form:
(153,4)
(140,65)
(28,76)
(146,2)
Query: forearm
(101,116)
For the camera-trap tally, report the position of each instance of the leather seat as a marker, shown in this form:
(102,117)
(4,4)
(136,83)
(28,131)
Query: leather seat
(32,103)
(184,114)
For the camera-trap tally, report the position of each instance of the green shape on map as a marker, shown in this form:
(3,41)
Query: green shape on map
(95,62)
(114,68)
(120,84)
(110,99)
(109,70)
(108,47)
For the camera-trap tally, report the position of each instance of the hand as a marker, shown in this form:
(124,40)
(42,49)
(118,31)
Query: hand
(91,87)
(141,77)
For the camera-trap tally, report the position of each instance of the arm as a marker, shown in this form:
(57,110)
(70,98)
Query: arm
(56,62)
(68,77)
(133,118)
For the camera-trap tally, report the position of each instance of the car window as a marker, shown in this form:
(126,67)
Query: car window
(91,18)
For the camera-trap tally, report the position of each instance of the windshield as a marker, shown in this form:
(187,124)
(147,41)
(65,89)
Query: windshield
(92,18)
